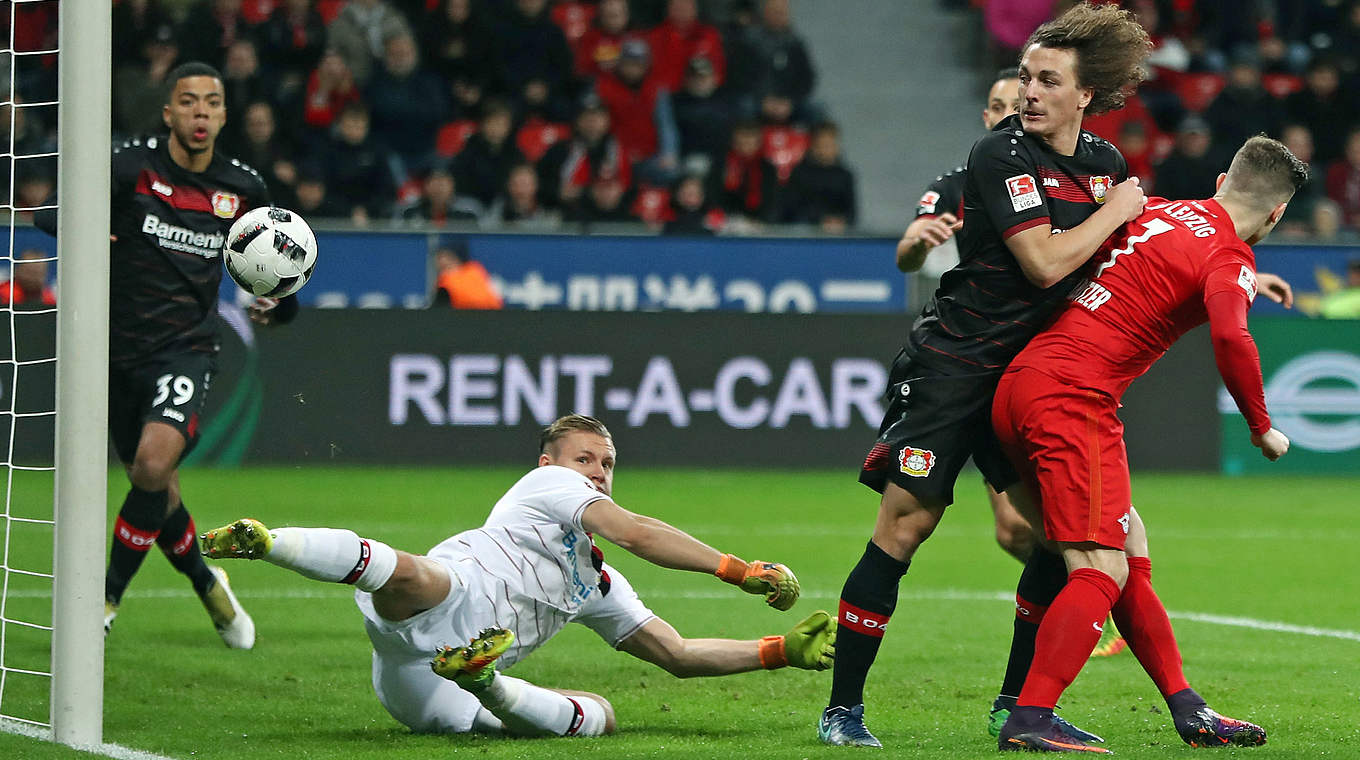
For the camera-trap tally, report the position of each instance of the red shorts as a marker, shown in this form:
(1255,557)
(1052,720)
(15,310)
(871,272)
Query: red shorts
(1068,445)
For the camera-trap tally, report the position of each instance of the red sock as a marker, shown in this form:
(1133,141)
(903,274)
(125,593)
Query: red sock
(1143,622)
(1069,632)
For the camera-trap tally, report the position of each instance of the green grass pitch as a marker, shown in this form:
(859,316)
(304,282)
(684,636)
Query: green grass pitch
(1230,556)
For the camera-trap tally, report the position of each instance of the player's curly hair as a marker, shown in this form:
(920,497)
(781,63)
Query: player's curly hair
(562,426)
(1110,47)
(1264,173)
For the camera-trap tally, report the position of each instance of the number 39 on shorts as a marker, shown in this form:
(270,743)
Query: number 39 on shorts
(182,386)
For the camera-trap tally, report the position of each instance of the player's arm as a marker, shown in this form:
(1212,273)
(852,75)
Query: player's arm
(1046,258)
(1235,353)
(923,234)
(811,645)
(668,546)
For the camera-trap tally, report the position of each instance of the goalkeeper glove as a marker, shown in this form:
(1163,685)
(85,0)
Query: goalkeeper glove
(811,645)
(775,581)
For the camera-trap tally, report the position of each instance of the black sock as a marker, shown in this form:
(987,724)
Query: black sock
(136,529)
(1044,576)
(867,601)
(1184,703)
(180,545)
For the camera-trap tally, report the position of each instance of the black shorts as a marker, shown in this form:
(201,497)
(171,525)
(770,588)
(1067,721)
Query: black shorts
(169,388)
(934,422)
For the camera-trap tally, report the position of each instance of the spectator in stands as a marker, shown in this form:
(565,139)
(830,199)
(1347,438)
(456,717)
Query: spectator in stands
(1324,108)
(244,85)
(28,288)
(1137,149)
(745,63)
(598,50)
(1298,217)
(461,282)
(438,204)
(1243,108)
(139,86)
(210,29)
(821,190)
(456,39)
(640,110)
(1343,181)
(329,89)
(1344,303)
(519,207)
(135,24)
(570,167)
(359,168)
(310,196)
(786,66)
(1009,24)
(1192,167)
(747,183)
(35,183)
(1327,225)
(681,37)
(482,166)
(407,103)
(468,90)
(266,152)
(530,46)
(291,43)
(703,114)
(359,31)
(607,200)
(692,213)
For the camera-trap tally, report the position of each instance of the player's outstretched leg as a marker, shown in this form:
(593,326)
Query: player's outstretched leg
(324,554)
(524,709)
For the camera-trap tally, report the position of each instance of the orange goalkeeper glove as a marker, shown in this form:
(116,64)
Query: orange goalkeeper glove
(776,582)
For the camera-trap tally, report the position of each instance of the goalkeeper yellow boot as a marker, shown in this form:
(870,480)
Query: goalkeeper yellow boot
(473,667)
(811,645)
(243,539)
(228,616)
(1111,642)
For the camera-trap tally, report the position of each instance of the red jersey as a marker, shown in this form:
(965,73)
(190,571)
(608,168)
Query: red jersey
(1178,265)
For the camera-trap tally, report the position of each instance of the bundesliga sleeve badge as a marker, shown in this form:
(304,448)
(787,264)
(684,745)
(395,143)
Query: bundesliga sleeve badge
(1023,191)
(928,202)
(916,462)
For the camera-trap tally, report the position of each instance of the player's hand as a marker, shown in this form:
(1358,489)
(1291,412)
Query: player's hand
(1275,288)
(1272,443)
(261,311)
(1127,198)
(811,645)
(935,231)
(775,582)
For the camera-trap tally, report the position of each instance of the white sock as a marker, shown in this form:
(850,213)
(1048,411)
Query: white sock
(528,710)
(329,554)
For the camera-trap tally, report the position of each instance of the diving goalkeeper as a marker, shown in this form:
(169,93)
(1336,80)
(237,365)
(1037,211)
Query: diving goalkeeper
(510,585)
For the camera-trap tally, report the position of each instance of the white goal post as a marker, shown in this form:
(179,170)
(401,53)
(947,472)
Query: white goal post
(81,456)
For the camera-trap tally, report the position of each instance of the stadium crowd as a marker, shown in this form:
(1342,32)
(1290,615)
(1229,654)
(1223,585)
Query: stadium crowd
(510,114)
(692,116)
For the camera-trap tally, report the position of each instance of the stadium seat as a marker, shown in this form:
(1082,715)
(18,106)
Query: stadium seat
(1197,91)
(453,136)
(1281,85)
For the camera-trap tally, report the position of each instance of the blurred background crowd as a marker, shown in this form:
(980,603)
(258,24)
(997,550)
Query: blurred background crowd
(689,116)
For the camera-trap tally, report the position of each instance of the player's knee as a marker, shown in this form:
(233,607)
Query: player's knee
(152,469)
(597,716)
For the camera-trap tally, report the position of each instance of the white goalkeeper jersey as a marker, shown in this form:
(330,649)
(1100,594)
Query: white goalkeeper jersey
(534,543)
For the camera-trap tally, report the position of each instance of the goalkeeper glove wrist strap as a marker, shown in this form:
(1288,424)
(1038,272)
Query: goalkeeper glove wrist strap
(731,569)
(772,654)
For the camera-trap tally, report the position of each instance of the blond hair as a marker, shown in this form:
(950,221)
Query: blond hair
(563,426)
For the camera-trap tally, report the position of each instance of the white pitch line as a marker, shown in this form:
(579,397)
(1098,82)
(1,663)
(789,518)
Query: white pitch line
(116,751)
(947,595)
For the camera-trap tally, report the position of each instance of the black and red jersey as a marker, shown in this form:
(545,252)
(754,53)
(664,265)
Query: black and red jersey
(985,310)
(165,263)
(944,195)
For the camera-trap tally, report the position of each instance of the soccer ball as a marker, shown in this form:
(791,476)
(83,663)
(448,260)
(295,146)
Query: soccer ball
(270,252)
